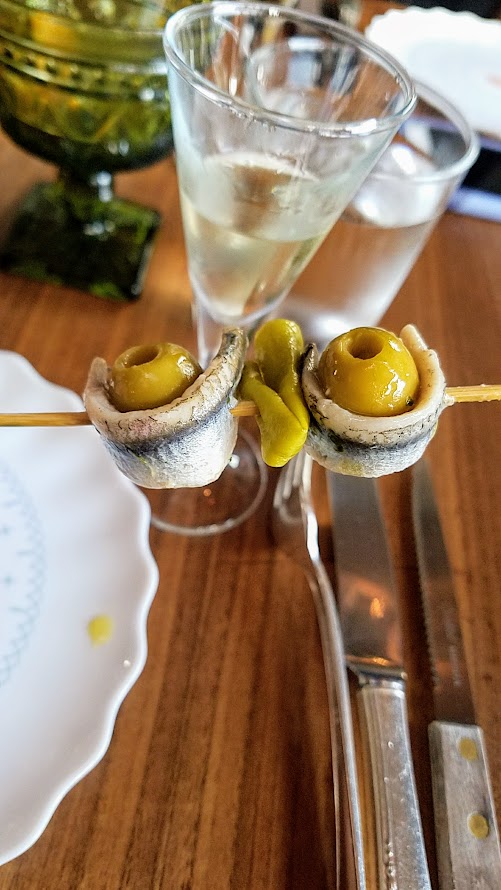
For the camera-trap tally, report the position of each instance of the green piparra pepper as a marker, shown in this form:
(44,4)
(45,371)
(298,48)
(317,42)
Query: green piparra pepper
(272,382)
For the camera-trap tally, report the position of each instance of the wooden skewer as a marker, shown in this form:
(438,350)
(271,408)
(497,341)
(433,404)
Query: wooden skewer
(81,418)
(245,409)
(483,392)
(54,418)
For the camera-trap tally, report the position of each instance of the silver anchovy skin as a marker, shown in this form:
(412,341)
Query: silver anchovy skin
(357,445)
(185,444)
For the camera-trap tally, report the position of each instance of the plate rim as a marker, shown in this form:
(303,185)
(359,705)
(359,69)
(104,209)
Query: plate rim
(460,25)
(100,738)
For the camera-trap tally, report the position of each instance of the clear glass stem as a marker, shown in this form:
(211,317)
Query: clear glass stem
(208,332)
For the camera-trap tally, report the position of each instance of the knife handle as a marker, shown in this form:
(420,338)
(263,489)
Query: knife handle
(468,853)
(402,863)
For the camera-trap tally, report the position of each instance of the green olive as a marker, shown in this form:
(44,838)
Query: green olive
(145,377)
(369,371)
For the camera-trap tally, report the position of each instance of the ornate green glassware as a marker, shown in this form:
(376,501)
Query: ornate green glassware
(83,85)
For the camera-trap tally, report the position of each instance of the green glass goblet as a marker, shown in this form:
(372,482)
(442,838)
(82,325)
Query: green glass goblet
(83,86)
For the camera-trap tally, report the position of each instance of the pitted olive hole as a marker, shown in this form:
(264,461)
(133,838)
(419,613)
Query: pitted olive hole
(366,345)
(141,355)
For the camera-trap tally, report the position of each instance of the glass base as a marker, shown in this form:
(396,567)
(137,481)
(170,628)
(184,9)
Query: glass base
(218,507)
(65,233)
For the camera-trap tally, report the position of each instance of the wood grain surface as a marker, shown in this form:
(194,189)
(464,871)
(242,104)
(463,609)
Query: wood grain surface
(218,773)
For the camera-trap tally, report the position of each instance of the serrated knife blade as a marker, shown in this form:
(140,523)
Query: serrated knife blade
(368,608)
(467,837)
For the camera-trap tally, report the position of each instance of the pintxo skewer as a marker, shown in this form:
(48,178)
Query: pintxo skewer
(339,439)
(481,392)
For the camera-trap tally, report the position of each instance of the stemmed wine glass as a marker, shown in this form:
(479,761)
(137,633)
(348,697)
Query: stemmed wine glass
(277,118)
(83,86)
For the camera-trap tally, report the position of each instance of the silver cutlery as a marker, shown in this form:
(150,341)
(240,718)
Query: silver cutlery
(368,608)
(468,852)
(296,532)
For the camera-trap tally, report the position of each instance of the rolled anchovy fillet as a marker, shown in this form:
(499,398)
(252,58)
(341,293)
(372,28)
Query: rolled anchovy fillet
(357,445)
(185,444)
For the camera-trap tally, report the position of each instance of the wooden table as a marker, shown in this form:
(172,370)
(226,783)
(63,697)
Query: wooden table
(218,773)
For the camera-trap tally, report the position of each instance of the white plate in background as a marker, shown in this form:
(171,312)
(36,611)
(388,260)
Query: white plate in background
(73,545)
(456,53)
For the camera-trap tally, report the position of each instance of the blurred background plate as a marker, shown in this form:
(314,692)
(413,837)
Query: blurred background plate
(456,53)
(73,546)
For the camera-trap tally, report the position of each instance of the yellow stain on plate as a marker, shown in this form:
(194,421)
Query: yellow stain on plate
(100,629)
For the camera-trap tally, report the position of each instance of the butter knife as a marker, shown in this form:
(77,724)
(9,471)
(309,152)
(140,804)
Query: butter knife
(468,853)
(368,607)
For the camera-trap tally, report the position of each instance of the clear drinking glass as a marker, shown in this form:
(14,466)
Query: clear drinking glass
(361,265)
(277,117)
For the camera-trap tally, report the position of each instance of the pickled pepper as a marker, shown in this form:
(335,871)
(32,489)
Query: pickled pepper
(272,382)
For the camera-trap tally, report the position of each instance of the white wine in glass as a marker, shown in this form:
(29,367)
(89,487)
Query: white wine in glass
(278,116)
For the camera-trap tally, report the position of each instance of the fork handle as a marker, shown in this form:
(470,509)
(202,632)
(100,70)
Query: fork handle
(402,863)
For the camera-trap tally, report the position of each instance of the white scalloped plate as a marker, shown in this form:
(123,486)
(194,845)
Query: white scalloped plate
(456,53)
(73,545)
